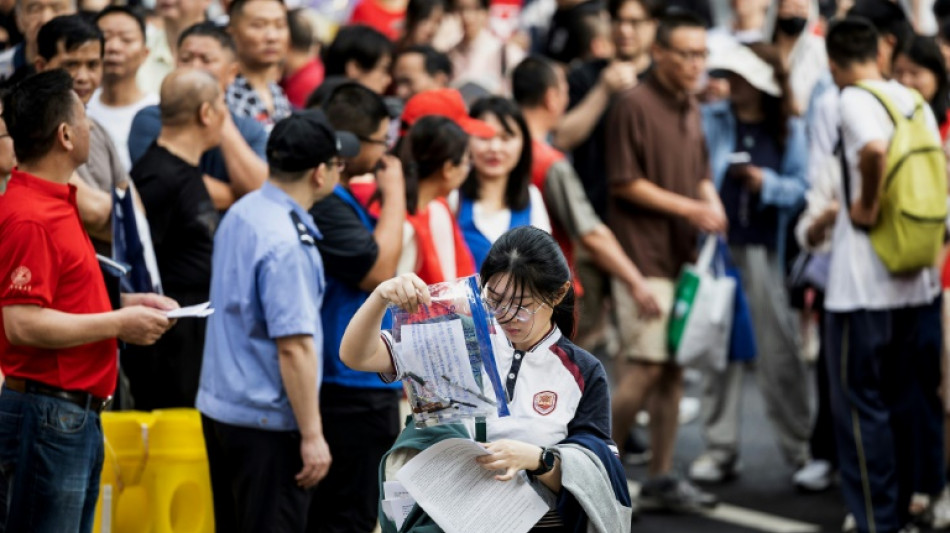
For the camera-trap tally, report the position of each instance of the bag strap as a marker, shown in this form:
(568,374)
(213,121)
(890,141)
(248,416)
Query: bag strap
(892,111)
(707,254)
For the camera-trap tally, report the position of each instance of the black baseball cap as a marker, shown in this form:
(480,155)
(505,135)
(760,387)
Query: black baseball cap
(306,139)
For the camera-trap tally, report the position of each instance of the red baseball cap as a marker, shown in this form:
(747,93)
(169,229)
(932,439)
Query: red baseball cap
(444,103)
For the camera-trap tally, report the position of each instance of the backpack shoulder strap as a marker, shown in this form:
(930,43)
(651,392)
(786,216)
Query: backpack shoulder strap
(892,110)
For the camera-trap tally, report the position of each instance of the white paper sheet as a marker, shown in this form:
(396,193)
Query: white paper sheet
(441,351)
(397,510)
(462,497)
(393,490)
(192,311)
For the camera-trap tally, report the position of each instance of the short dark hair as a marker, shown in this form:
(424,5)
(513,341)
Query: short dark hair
(653,7)
(941,9)
(302,36)
(72,30)
(132,12)
(887,17)
(212,31)
(33,110)
(355,108)
(363,44)
(532,79)
(430,143)
(237,7)
(851,40)
(674,19)
(435,61)
(517,196)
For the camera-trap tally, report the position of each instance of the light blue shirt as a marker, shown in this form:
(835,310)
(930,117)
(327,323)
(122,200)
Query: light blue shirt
(266,283)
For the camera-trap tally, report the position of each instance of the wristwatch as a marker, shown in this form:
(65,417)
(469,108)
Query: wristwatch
(548,457)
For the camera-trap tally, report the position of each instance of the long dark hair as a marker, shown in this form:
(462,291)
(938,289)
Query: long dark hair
(925,51)
(516,191)
(431,142)
(535,267)
(416,12)
(778,110)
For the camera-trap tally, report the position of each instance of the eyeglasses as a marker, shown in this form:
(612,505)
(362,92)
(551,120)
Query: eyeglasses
(505,313)
(689,55)
(370,140)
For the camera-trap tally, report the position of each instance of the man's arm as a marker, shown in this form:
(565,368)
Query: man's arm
(222,195)
(298,370)
(41,327)
(578,123)
(608,255)
(388,233)
(246,170)
(705,215)
(95,209)
(872,161)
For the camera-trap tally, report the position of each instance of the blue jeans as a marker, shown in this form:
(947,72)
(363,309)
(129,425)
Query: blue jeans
(51,455)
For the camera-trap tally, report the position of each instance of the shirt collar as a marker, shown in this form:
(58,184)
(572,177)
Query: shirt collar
(667,96)
(273,193)
(60,191)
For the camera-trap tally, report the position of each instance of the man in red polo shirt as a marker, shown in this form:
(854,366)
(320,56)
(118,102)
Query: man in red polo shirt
(58,341)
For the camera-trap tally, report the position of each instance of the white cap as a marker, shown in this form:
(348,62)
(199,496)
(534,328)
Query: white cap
(741,60)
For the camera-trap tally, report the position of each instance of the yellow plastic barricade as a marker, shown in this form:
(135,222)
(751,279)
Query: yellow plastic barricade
(123,503)
(177,475)
(155,475)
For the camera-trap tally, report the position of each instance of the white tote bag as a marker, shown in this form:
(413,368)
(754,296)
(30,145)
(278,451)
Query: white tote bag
(705,342)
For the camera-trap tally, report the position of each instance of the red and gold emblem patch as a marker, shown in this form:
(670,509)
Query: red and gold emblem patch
(545,402)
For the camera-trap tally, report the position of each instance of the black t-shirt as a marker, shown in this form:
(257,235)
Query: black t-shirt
(348,247)
(182,219)
(588,157)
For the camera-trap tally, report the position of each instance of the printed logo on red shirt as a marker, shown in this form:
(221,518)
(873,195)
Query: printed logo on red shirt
(20,279)
(545,402)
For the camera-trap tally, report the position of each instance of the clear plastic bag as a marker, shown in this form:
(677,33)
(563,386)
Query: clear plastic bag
(445,358)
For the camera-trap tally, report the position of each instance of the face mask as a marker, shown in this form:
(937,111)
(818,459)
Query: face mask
(792,25)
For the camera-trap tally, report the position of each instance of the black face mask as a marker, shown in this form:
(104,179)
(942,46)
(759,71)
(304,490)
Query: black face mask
(792,25)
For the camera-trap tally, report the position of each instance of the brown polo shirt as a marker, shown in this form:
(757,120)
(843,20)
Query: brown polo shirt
(653,136)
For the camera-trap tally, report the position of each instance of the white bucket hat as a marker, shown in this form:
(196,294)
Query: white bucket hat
(741,60)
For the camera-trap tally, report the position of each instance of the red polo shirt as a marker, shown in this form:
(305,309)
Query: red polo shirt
(47,259)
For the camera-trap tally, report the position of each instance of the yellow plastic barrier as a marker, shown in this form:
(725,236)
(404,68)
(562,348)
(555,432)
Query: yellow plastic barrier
(177,475)
(155,474)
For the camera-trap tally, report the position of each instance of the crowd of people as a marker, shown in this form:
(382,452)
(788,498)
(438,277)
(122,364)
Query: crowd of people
(303,166)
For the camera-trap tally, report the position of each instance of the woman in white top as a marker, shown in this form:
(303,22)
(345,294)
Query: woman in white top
(498,194)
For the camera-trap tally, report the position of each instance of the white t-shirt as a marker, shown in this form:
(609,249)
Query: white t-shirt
(858,278)
(495,223)
(440,224)
(117,121)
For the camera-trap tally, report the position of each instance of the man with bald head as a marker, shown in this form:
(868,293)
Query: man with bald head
(183,220)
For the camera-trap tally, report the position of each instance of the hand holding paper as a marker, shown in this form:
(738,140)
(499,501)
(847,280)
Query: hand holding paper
(192,311)
(462,497)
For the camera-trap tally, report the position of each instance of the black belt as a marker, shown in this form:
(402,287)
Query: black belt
(82,399)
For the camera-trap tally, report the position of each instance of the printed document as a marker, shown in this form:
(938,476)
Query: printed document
(463,497)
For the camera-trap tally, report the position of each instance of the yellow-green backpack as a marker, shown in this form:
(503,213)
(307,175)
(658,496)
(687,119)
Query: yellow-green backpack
(908,234)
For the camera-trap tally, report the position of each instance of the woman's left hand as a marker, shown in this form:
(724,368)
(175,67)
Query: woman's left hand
(510,456)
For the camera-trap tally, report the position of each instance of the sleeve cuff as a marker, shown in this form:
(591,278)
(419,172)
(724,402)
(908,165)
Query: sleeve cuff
(388,341)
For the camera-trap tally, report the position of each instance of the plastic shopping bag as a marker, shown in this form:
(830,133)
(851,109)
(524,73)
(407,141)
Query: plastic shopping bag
(701,321)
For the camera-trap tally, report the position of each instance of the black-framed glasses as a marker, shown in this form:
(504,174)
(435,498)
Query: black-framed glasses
(380,142)
(689,55)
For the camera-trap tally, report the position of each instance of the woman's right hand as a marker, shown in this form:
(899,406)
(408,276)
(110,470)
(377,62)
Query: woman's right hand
(407,291)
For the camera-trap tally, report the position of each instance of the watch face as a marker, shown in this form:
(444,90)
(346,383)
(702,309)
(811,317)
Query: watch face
(548,458)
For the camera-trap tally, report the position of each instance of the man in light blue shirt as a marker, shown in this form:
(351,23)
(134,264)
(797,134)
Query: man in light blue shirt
(260,375)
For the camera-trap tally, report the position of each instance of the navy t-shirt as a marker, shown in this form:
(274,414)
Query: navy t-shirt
(751,221)
(147,124)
